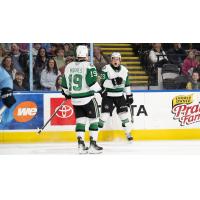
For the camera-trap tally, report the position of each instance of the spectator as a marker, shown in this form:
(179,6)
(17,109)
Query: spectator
(67,61)
(20,61)
(18,83)
(100,60)
(36,47)
(69,51)
(59,83)
(52,50)
(157,55)
(189,64)
(2,53)
(49,75)
(176,54)
(40,64)
(60,59)
(194,84)
(8,66)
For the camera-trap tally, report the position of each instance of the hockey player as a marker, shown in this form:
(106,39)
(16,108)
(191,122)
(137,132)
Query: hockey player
(115,83)
(79,83)
(6,87)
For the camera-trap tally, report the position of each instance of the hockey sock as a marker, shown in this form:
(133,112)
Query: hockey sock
(94,130)
(80,130)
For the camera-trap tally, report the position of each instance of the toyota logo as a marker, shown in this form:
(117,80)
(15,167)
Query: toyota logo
(64,112)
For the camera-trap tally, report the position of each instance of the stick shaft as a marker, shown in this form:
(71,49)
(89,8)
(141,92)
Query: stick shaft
(51,117)
(2,109)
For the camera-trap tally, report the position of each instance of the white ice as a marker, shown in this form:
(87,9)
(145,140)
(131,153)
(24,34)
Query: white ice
(189,147)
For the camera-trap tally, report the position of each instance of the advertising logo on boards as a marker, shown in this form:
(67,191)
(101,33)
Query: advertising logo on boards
(186,109)
(25,111)
(65,115)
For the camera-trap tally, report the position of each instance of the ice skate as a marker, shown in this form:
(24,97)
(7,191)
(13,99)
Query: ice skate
(94,148)
(81,146)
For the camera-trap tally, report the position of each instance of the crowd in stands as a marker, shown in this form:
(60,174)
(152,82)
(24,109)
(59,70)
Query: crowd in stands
(14,58)
(50,60)
(183,57)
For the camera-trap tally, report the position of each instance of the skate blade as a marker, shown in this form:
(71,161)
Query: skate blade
(92,151)
(83,151)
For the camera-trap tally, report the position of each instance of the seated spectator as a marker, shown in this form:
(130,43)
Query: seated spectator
(59,83)
(69,51)
(2,53)
(194,84)
(35,49)
(18,83)
(67,61)
(47,46)
(20,61)
(157,55)
(8,66)
(100,60)
(52,50)
(176,54)
(189,64)
(49,75)
(60,59)
(40,64)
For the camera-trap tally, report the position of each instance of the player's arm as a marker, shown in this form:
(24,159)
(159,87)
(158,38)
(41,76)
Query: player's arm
(127,90)
(91,79)
(65,89)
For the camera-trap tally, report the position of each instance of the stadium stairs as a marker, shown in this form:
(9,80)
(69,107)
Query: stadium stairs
(137,74)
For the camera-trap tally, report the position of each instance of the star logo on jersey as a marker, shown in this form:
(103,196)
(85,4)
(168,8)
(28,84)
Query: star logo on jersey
(106,106)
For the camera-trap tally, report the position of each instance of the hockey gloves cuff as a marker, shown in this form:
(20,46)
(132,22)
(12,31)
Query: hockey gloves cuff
(66,95)
(7,97)
(129,99)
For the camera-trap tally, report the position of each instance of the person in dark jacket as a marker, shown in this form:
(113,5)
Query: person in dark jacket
(40,64)
(177,54)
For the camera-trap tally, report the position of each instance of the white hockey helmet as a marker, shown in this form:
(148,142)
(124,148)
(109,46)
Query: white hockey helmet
(81,51)
(116,55)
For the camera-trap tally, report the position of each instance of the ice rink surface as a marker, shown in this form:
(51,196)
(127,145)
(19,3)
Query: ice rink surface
(189,147)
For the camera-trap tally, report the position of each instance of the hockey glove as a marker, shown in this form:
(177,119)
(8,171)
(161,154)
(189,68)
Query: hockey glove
(129,99)
(7,97)
(67,96)
(117,81)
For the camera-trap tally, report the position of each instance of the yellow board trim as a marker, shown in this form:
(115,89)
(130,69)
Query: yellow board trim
(70,136)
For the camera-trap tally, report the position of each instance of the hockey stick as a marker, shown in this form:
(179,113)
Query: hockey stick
(51,117)
(2,109)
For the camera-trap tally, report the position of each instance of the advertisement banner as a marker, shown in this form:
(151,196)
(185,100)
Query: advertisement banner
(65,115)
(26,113)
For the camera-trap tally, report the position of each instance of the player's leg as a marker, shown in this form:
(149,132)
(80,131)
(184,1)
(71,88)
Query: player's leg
(106,109)
(93,115)
(80,128)
(122,111)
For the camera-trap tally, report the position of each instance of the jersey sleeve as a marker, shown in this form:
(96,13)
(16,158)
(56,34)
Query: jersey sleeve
(91,78)
(127,88)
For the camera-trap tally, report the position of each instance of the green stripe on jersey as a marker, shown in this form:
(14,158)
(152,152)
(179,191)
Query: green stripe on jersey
(84,94)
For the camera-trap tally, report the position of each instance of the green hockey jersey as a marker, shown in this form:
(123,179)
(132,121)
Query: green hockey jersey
(80,79)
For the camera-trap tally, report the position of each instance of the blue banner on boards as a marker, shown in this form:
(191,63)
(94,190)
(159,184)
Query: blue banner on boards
(26,113)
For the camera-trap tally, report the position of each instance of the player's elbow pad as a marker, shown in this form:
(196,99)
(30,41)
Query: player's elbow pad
(96,87)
